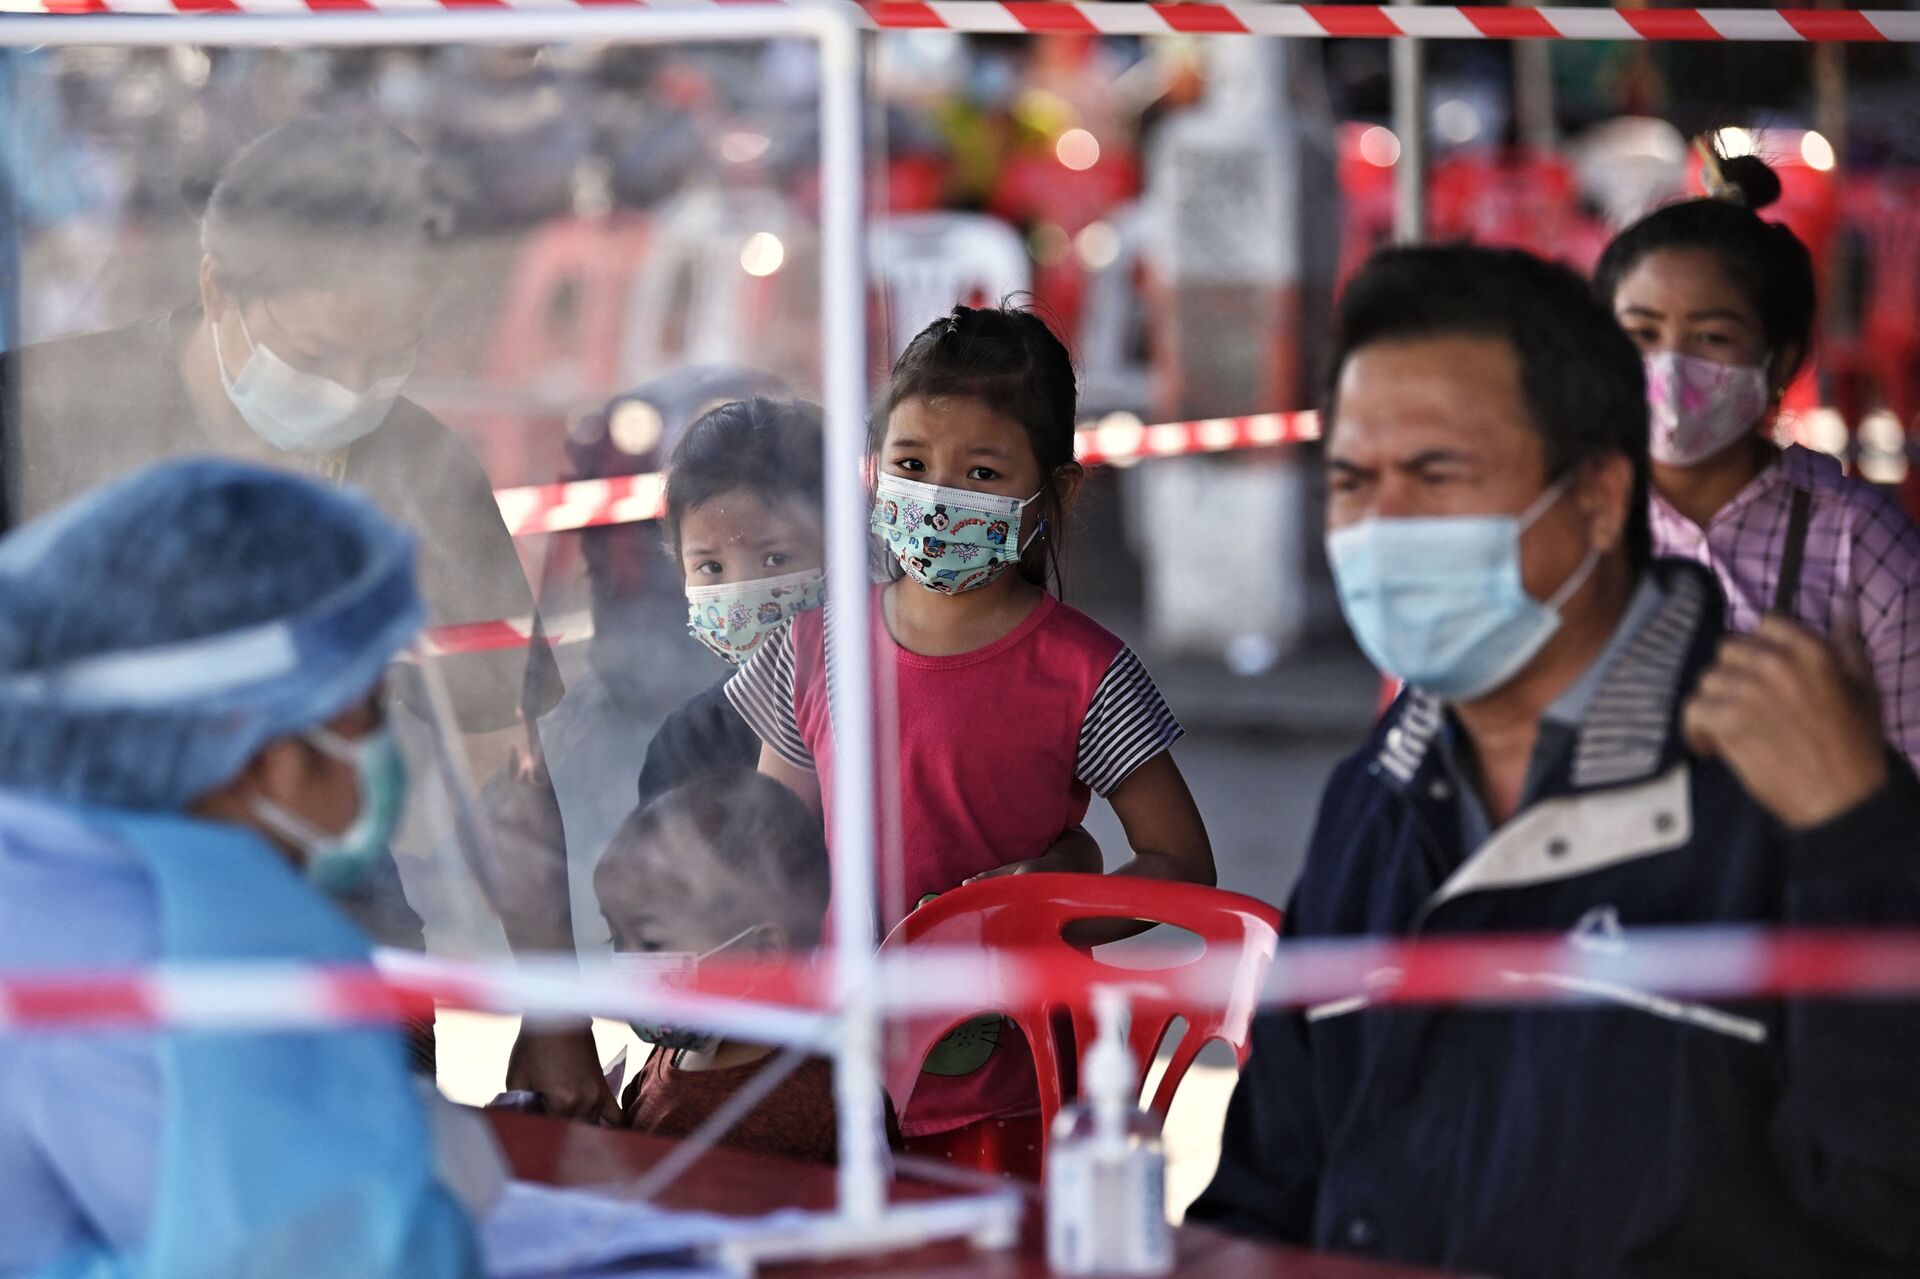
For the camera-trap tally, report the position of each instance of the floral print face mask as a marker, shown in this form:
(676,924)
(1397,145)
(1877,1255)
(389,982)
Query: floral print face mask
(732,618)
(1699,407)
(949,540)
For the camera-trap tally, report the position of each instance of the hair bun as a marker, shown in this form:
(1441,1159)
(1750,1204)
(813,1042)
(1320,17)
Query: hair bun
(1749,182)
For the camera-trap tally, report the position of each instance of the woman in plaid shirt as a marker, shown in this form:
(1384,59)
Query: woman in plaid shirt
(1721,303)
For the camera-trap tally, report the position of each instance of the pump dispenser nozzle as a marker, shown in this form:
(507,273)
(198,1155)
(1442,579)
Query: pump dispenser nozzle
(1109,1080)
(1106,1170)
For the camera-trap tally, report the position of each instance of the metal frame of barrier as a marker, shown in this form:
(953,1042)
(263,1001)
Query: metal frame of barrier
(863,1219)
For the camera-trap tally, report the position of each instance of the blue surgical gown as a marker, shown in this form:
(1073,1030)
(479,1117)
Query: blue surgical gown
(203,1154)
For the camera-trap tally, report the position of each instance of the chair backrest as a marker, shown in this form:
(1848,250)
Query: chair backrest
(931,262)
(692,301)
(590,259)
(1029,912)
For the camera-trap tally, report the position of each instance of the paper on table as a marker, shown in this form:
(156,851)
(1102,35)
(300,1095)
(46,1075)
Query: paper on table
(542,1232)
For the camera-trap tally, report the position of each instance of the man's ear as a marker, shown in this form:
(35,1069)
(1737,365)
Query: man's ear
(1606,500)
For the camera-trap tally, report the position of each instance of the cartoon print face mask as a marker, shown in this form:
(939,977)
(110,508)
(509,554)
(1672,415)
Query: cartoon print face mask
(1697,408)
(949,540)
(732,618)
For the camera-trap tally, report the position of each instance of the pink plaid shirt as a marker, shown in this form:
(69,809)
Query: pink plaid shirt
(1862,566)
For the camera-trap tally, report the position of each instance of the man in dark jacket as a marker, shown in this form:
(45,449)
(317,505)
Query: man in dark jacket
(1579,749)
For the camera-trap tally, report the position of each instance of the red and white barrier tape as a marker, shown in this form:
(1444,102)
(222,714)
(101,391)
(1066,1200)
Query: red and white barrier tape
(1435,22)
(628,499)
(508,632)
(792,1000)
(578,504)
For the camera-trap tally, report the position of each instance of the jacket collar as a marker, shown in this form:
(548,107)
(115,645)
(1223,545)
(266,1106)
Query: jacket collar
(1628,730)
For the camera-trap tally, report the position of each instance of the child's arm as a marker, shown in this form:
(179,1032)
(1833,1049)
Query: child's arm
(1074,853)
(1168,839)
(803,782)
(1163,825)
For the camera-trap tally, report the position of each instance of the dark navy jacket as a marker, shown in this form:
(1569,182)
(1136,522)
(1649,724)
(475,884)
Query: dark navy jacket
(1590,1140)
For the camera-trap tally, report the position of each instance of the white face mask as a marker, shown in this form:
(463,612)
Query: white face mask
(672,967)
(1697,408)
(299,412)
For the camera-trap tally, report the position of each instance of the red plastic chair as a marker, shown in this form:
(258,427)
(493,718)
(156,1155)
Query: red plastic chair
(559,318)
(1029,912)
(1517,198)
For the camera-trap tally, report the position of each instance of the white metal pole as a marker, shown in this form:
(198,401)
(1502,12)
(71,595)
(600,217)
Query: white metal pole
(843,275)
(1410,124)
(1533,95)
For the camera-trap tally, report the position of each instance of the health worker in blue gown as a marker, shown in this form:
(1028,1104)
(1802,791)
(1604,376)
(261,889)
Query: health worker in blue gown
(192,747)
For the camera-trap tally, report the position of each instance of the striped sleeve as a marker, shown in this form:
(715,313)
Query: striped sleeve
(1127,724)
(763,692)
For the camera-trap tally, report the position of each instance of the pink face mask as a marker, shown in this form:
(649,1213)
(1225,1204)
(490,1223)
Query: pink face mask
(1699,407)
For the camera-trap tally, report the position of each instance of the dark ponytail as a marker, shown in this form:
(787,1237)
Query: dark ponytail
(1765,260)
(1007,358)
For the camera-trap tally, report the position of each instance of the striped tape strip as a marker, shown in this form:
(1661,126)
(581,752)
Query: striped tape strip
(565,507)
(511,632)
(1651,966)
(627,499)
(1366,21)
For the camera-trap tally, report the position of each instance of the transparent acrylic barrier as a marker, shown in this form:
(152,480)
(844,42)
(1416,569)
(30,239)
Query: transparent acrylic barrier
(493,288)
(578,251)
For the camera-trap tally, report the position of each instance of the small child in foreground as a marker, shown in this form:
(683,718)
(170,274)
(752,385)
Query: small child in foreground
(728,865)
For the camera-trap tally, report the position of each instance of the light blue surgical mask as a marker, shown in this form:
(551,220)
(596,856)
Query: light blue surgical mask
(338,863)
(733,617)
(949,540)
(301,412)
(1438,602)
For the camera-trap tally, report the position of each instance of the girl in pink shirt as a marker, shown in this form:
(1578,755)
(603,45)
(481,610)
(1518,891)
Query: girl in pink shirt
(1009,709)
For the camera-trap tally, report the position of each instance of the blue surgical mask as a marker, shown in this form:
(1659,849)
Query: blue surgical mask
(300,412)
(949,540)
(1438,602)
(732,618)
(338,863)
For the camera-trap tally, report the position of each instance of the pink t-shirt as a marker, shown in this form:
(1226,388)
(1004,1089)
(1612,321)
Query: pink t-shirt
(997,753)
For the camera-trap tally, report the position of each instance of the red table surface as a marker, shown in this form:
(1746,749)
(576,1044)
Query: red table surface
(739,1183)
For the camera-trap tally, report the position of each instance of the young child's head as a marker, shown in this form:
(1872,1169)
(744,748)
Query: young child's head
(744,520)
(982,402)
(634,433)
(731,859)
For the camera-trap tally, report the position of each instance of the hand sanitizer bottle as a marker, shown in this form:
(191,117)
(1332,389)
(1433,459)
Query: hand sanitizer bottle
(1106,1171)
